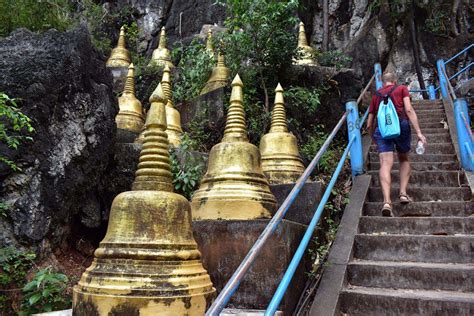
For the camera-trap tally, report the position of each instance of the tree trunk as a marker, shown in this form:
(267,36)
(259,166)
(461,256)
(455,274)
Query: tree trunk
(265,93)
(416,54)
(454,17)
(325,47)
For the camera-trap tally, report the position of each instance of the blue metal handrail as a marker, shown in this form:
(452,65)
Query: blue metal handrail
(461,71)
(461,117)
(459,54)
(355,147)
(234,282)
(290,271)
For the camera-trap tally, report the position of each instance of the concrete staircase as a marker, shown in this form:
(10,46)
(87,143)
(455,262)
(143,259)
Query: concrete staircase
(421,261)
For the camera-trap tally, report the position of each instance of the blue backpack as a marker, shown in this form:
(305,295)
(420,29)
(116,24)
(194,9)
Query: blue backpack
(387,117)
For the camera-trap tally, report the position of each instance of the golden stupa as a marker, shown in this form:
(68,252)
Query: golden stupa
(148,263)
(130,116)
(234,186)
(120,56)
(209,46)
(173,118)
(219,77)
(161,55)
(307,52)
(281,161)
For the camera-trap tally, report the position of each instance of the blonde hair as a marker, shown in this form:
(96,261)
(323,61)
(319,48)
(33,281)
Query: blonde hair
(389,77)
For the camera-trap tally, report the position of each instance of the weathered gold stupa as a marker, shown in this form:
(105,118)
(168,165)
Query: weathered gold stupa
(148,263)
(161,55)
(281,161)
(130,116)
(120,56)
(306,51)
(219,76)
(234,186)
(173,118)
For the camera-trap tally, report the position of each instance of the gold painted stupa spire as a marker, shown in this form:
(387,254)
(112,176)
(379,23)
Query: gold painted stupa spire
(209,46)
(281,161)
(235,126)
(306,51)
(234,186)
(148,262)
(219,76)
(120,56)
(161,55)
(130,116)
(173,118)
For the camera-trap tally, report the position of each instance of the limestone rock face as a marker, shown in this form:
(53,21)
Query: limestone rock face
(66,90)
(185,16)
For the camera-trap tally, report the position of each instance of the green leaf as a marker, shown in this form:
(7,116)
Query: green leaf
(34,298)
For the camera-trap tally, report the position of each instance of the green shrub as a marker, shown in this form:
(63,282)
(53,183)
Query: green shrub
(45,293)
(334,58)
(260,34)
(35,15)
(13,127)
(330,158)
(302,99)
(14,265)
(188,173)
(195,67)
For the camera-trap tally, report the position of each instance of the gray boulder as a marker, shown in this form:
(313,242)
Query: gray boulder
(66,90)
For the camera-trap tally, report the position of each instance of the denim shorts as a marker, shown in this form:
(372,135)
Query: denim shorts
(401,144)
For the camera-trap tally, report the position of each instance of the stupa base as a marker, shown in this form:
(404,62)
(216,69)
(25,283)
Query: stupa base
(223,246)
(123,305)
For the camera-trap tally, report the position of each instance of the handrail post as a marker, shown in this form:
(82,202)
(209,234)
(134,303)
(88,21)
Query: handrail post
(443,83)
(378,76)
(432,92)
(353,128)
(460,106)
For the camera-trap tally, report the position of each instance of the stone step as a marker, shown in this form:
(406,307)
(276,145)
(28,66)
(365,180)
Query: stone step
(412,275)
(414,209)
(427,103)
(375,301)
(416,225)
(424,193)
(421,166)
(432,118)
(436,130)
(441,148)
(429,124)
(445,178)
(433,138)
(374,157)
(421,111)
(415,248)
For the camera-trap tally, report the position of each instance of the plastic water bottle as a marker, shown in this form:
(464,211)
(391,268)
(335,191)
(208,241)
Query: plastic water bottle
(420,148)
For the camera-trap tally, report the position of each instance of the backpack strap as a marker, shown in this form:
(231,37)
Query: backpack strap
(385,97)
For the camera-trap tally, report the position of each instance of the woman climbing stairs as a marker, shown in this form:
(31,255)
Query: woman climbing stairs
(421,260)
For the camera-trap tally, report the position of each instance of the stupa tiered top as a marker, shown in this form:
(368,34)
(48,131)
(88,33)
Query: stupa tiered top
(161,55)
(209,46)
(173,118)
(281,161)
(120,56)
(306,51)
(234,186)
(148,263)
(130,116)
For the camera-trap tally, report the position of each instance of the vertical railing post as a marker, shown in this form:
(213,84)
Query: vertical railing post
(432,92)
(353,128)
(378,76)
(443,81)
(460,107)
